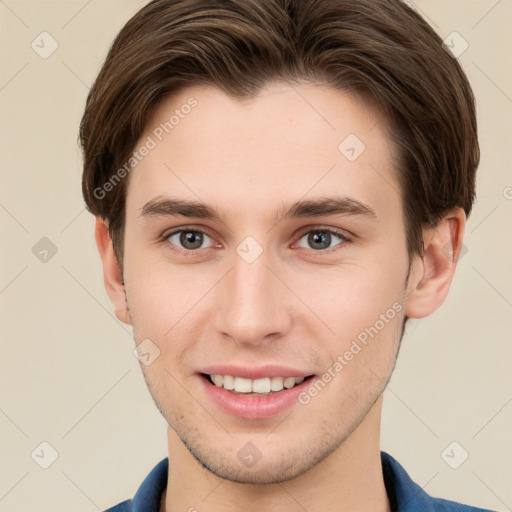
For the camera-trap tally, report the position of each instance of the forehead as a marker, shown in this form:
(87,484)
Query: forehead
(244,155)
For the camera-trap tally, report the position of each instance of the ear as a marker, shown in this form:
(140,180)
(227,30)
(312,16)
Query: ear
(112,275)
(432,273)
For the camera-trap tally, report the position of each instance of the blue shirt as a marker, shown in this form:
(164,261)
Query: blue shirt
(404,495)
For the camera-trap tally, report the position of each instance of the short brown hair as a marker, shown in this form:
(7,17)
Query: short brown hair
(381,50)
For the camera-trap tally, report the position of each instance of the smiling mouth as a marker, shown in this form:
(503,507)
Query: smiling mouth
(254,387)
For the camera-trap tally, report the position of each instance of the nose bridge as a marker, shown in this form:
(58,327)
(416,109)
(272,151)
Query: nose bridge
(252,303)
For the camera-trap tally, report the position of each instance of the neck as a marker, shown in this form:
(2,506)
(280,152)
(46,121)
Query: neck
(350,478)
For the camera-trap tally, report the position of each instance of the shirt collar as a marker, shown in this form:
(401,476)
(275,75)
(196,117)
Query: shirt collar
(149,495)
(404,494)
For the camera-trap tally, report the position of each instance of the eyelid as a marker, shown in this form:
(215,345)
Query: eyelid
(348,237)
(319,253)
(303,231)
(172,231)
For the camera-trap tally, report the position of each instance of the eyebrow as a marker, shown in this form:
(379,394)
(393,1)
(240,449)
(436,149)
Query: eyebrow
(164,206)
(327,206)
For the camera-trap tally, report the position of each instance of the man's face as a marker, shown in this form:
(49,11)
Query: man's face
(259,293)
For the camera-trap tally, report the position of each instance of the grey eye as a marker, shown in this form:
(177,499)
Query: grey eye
(320,239)
(189,239)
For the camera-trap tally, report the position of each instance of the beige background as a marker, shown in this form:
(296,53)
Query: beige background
(68,376)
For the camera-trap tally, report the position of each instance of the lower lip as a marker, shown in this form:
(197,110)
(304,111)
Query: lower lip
(254,407)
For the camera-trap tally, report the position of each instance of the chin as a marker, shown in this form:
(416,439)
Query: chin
(272,464)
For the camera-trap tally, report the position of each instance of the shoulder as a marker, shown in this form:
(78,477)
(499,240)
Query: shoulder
(149,495)
(442,505)
(125,506)
(405,495)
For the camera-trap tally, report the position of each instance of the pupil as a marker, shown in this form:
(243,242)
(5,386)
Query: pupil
(191,240)
(320,240)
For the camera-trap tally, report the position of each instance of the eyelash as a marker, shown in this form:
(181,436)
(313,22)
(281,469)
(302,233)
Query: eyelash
(316,229)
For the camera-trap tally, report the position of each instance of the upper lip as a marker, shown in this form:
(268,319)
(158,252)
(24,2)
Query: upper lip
(252,372)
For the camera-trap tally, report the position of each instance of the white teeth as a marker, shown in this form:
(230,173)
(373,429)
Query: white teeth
(264,385)
(229,382)
(261,385)
(289,382)
(218,380)
(243,385)
(277,383)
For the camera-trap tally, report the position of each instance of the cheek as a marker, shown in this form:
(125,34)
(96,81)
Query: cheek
(362,306)
(167,303)
(350,297)
(360,356)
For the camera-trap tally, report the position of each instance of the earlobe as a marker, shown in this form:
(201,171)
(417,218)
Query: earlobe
(112,275)
(432,273)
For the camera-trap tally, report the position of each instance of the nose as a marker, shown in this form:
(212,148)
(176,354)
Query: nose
(254,305)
